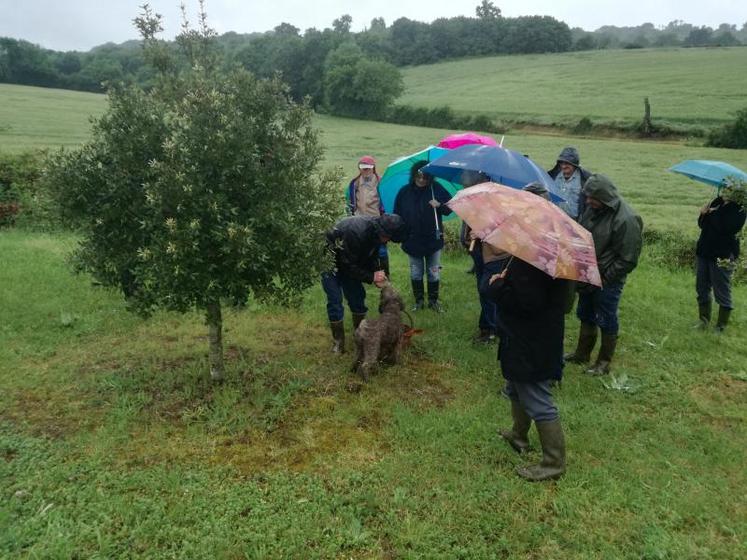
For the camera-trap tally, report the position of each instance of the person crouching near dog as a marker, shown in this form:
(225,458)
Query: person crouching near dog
(532,320)
(422,204)
(354,246)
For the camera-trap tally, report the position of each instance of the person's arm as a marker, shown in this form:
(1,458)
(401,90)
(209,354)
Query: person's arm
(442,196)
(348,253)
(728,219)
(625,243)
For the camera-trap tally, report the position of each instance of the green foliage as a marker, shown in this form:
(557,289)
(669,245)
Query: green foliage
(439,117)
(203,188)
(357,86)
(23,200)
(731,135)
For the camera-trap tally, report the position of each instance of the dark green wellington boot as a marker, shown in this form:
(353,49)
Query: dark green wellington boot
(518,436)
(606,352)
(552,465)
(418,291)
(704,315)
(587,338)
(723,318)
(338,336)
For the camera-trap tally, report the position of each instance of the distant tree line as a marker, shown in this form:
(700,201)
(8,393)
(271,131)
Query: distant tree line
(676,33)
(303,59)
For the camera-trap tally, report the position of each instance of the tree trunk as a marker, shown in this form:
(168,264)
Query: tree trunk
(215,335)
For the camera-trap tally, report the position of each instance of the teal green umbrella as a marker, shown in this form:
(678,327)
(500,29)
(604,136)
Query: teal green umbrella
(709,172)
(397,175)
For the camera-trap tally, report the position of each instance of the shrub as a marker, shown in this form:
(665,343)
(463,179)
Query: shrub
(732,135)
(23,199)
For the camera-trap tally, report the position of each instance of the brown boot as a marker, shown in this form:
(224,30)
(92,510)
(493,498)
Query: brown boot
(552,465)
(723,318)
(518,436)
(704,315)
(587,338)
(606,352)
(338,336)
(357,319)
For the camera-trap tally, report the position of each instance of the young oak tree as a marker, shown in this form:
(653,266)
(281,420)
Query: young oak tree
(204,188)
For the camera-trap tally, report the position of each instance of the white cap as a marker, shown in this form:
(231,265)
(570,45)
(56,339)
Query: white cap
(365,166)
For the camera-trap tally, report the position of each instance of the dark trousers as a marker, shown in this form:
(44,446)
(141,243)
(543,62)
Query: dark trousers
(535,398)
(336,285)
(600,308)
(488,309)
(709,276)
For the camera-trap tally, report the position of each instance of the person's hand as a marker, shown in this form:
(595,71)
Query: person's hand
(472,235)
(707,209)
(500,276)
(434,203)
(379,278)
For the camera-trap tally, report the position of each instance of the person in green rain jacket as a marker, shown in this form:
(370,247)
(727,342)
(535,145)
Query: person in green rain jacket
(618,237)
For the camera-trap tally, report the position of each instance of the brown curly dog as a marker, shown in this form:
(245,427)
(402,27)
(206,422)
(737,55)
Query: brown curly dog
(380,340)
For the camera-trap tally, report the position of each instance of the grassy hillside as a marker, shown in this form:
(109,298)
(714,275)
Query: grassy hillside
(49,118)
(685,86)
(114,443)
(33,117)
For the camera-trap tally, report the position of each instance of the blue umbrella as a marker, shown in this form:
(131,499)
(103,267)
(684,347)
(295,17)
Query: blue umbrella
(709,172)
(498,164)
(397,175)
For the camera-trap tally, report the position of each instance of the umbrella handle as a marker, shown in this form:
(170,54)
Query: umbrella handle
(435,214)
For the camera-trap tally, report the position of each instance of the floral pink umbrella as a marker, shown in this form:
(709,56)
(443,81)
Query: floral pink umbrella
(455,140)
(530,228)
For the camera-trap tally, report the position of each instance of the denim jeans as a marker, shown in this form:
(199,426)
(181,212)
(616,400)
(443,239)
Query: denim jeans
(336,285)
(708,275)
(600,308)
(430,264)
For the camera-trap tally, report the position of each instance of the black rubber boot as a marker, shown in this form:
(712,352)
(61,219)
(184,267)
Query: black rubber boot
(518,436)
(486,336)
(704,314)
(606,352)
(587,338)
(723,318)
(338,336)
(418,290)
(357,318)
(433,304)
(552,465)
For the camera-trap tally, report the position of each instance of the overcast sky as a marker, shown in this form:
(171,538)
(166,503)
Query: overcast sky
(82,24)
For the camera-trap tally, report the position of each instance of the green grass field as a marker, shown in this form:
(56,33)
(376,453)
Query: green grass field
(32,118)
(684,86)
(115,444)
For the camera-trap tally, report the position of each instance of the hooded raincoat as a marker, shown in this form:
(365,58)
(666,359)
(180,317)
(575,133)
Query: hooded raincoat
(616,228)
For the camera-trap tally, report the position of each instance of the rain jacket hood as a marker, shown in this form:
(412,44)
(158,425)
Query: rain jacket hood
(600,187)
(569,154)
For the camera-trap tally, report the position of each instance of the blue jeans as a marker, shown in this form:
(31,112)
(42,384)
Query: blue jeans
(600,308)
(430,264)
(336,285)
(708,275)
